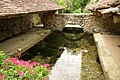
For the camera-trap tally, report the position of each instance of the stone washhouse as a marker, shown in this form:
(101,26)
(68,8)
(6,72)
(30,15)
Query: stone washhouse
(18,32)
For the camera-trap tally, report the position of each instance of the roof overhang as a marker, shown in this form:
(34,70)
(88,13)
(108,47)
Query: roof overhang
(14,8)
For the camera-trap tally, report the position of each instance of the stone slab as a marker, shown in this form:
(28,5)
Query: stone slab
(108,54)
(23,42)
(113,44)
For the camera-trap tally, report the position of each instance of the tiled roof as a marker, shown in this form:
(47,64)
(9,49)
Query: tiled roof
(105,6)
(13,7)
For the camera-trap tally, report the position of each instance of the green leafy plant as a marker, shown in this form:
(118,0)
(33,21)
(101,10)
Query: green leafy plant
(15,69)
(73,6)
(79,4)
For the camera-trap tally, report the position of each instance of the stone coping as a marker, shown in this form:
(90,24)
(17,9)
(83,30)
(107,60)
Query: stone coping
(108,56)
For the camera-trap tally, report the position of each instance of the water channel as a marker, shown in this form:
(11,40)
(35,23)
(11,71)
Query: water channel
(72,54)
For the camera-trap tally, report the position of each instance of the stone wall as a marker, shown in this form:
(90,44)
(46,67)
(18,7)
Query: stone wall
(95,24)
(48,19)
(13,26)
(90,23)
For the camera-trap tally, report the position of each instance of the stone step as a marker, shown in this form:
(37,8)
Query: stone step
(24,41)
(109,55)
(67,67)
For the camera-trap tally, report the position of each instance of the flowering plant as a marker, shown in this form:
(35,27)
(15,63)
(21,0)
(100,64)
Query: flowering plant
(15,69)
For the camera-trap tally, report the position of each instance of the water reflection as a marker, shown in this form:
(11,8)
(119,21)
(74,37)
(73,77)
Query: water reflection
(73,33)
(68,55)
(68,66)
(73,51)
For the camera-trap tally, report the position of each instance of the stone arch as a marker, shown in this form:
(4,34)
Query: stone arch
(64,19)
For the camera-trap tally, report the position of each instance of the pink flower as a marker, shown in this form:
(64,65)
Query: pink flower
(32,71)
(44,79)
(15,60)
(22,62)
(22,74)
(25,63)
(34,63)
(2,77)
(17,71)
(19,55)
(6,61)
(29,65)
(7,67)
(46,65)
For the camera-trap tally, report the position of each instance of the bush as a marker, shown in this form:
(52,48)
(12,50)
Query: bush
(15,69)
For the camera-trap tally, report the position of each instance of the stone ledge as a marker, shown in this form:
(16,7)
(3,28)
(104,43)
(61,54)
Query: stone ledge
(23,42)
(109,63)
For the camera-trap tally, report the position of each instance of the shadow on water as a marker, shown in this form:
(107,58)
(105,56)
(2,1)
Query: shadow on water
(51,48)
(46,51)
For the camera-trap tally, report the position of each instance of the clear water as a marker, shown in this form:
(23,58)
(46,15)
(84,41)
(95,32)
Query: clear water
(79,54)
(68,66)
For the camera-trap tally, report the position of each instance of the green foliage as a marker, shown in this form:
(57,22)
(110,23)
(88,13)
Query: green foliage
(74,6)
(76,11)
(79,4)
(62,3)
(15,69)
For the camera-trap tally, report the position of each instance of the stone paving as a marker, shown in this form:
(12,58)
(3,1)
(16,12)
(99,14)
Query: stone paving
(113,44)
(109,55)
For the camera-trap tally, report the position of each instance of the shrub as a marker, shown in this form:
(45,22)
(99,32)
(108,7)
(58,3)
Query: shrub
(15,69)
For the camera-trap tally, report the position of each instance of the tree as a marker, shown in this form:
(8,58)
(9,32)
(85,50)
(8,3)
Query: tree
(66,4)
(73,5)
(79,4)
